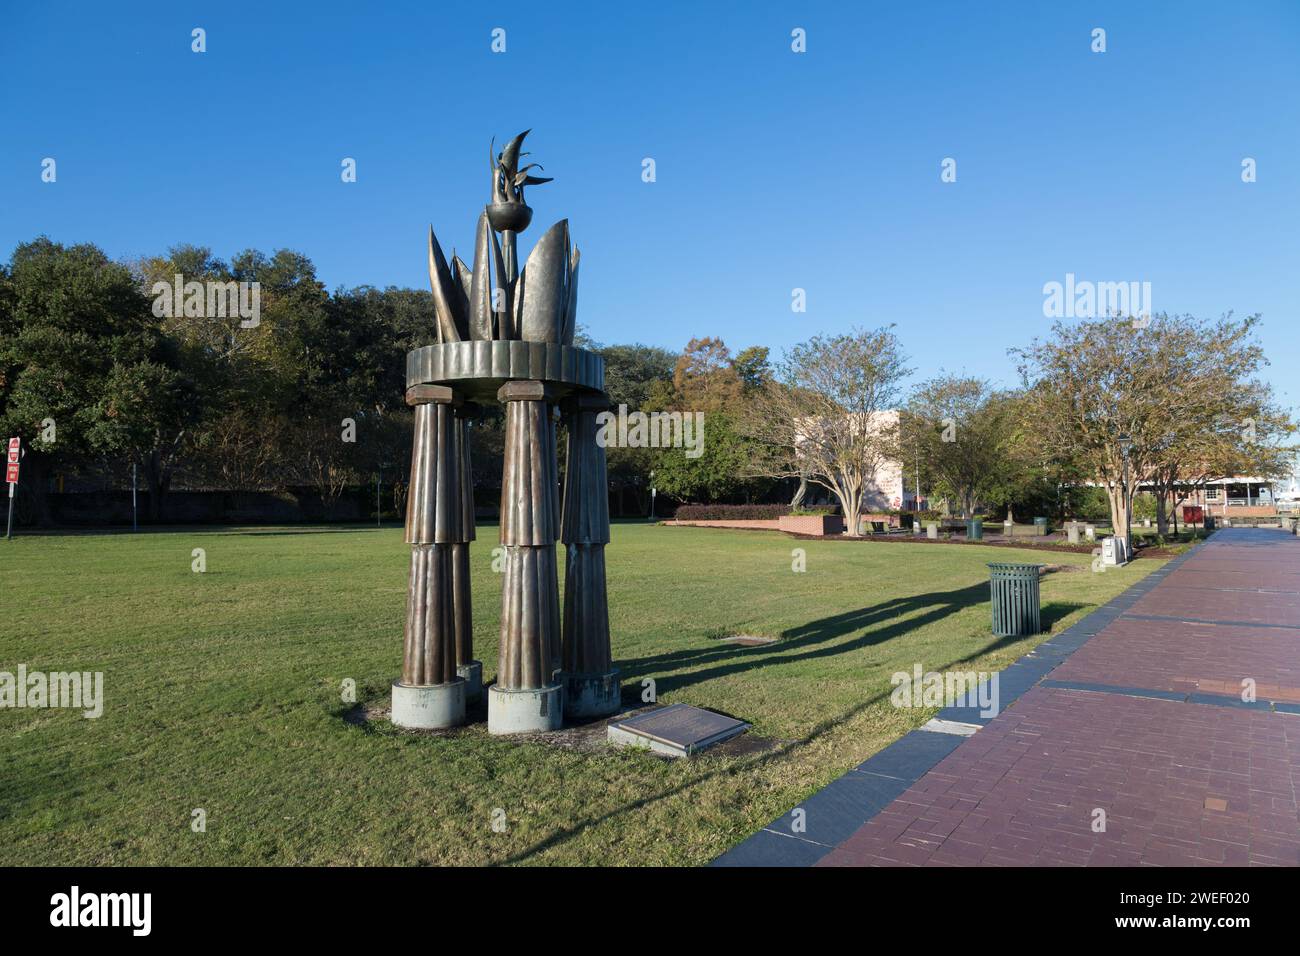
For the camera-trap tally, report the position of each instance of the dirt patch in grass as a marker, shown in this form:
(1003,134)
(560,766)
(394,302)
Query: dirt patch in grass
(1064,568)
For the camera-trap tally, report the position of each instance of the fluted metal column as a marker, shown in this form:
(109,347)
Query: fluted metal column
(590,681)
(525,696)
(462,616)
(430,694)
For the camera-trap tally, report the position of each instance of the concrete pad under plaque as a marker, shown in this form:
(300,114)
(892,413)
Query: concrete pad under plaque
(677,730)
(432,707)
(472,674)
(526,711)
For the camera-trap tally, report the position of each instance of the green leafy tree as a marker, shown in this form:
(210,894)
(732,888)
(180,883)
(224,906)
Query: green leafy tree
(720,471)
(1179,390)
(82,360)
(960,430)
(640,377)
(827,414)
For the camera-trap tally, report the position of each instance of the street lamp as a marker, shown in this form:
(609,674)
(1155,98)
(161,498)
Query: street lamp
(1125,447)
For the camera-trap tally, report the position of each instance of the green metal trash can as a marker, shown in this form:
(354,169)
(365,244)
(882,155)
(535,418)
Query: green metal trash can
(1040,526)
(1015,594)
(974,529)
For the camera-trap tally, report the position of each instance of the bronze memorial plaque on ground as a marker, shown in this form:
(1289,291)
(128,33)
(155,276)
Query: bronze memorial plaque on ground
(677,730)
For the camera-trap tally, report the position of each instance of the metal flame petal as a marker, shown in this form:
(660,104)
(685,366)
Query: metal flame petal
(545,299)
(480,295)
(464,280)
(444,293)
(571,301)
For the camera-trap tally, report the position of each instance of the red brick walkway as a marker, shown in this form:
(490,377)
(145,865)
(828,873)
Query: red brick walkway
(1184,770)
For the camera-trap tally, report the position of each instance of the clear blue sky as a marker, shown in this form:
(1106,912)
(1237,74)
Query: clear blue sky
(775,170)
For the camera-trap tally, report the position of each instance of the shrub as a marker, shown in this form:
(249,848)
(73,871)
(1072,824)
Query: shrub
(730,512)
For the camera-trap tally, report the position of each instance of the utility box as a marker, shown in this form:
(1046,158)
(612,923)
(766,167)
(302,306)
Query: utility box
(1113,552)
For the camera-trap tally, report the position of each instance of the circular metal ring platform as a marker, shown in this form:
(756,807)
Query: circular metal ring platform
(478,368)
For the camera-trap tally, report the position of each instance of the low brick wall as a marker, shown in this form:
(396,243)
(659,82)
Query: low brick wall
(763,524)
(820,525)
(811,524)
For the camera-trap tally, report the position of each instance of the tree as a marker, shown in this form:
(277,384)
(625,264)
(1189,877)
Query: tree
(143,413)
(1096,385)
(640,377)
(718,473)
(708,381)
(705,379)
(82,361)
(1088,394)
(1224,422)
(826,414)
(960,429)
(753,368)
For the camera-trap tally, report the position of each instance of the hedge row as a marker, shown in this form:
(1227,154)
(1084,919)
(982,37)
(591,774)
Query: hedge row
(730,512)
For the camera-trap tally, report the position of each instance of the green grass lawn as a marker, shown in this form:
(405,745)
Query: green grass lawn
(222,692)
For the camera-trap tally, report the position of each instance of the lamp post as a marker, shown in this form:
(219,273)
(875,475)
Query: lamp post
(1125,447)
(916,504)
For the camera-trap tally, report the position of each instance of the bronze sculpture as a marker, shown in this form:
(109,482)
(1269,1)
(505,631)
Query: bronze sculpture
(507,333)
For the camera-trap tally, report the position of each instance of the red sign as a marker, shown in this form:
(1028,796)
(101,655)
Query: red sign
(11,467)
(11,474)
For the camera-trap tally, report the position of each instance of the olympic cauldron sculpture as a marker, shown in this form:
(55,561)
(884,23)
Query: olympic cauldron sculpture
(506,333)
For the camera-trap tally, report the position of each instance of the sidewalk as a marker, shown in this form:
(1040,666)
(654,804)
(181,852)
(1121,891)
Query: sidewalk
(1136,713)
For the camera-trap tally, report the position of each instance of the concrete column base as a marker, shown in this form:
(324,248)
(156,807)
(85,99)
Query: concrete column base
(527,711)
(472,675)
(431,707)
(591,695)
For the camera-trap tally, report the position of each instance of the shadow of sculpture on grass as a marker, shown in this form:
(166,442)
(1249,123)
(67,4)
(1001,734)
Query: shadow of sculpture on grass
(828,637)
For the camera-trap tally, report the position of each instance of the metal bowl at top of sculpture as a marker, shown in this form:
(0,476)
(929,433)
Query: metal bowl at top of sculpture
(498,322)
